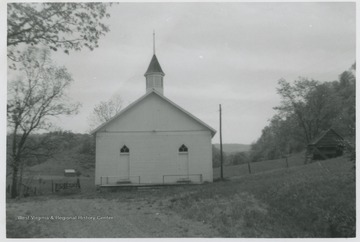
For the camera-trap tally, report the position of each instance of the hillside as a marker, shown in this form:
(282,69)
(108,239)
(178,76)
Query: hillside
(60,150)
(233,148)
(259,167)
(304,201)
(65,160)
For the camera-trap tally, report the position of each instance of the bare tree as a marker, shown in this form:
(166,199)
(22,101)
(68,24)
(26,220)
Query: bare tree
(35,96)
(105,110)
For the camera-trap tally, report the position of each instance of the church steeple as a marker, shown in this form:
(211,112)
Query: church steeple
(154,74)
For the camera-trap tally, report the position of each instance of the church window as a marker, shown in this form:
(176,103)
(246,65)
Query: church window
(124,149)
(183,148)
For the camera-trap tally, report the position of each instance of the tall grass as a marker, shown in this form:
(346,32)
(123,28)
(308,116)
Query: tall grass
(316,200)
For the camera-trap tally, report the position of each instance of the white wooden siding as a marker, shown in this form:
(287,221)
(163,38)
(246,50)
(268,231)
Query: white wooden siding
(153,113)
(153,130)
(154,154)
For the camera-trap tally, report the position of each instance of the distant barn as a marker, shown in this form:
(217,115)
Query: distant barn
(328,144)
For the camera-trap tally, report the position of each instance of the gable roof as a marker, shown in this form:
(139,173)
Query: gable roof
(317,139)
(154,66)
(213,131)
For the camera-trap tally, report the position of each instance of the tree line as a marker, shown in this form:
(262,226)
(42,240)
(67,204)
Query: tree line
(307,108)
(229,158)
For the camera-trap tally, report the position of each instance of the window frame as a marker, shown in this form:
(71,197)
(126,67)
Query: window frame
(126,150)
(183,149)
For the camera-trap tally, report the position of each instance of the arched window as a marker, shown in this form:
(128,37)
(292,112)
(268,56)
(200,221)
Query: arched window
(124,149)
(183,148)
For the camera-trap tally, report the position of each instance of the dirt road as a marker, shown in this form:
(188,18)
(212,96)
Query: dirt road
(99,218)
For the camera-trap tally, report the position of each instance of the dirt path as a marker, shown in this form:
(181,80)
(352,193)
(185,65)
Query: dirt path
(101,218)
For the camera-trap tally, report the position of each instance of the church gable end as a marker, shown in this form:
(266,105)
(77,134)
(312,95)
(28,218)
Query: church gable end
(153,113)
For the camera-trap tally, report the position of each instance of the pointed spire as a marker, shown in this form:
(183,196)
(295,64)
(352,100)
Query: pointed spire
(154,67)
(154,74)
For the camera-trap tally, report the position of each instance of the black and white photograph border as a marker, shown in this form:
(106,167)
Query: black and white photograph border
(178,120)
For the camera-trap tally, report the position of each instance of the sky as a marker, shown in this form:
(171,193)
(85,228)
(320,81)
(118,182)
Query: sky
(231,54)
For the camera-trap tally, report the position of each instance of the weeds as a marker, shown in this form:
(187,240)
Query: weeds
(316,200)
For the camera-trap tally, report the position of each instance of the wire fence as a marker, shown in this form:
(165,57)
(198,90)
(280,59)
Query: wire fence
(258,167)
(49,185)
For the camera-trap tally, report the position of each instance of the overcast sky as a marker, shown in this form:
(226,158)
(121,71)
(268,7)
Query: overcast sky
(213,53)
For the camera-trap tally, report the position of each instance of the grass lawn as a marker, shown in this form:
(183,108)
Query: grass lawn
(314,200)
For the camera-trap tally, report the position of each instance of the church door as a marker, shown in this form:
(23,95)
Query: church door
(183,164)
(124,164)
(183,161)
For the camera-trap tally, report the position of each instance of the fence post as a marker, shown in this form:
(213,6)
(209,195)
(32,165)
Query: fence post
(249,167)
(286,160)
(52,186)
(78,182)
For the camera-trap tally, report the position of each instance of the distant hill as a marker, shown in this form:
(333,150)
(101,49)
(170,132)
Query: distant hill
(232,148)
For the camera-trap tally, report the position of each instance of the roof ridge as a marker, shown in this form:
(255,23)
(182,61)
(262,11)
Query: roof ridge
(322,134)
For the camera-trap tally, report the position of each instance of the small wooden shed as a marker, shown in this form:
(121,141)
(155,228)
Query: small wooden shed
(328,144)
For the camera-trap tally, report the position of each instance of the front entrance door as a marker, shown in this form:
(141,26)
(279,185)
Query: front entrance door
(183,164)
(124,166)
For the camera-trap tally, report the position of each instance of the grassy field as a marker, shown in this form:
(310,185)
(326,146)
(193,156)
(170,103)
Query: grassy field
(314,200)
(262,166)
(43,175)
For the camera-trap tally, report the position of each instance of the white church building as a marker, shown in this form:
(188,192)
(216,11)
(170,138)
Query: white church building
(153,141)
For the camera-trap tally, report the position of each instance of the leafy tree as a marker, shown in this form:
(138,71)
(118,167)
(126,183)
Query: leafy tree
(346,88)
(36,95)
(281,137)
(70,26)
(314,105)
(105,110)
(307,108)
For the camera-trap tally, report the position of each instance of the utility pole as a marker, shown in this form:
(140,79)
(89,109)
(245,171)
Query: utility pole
(221,150)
